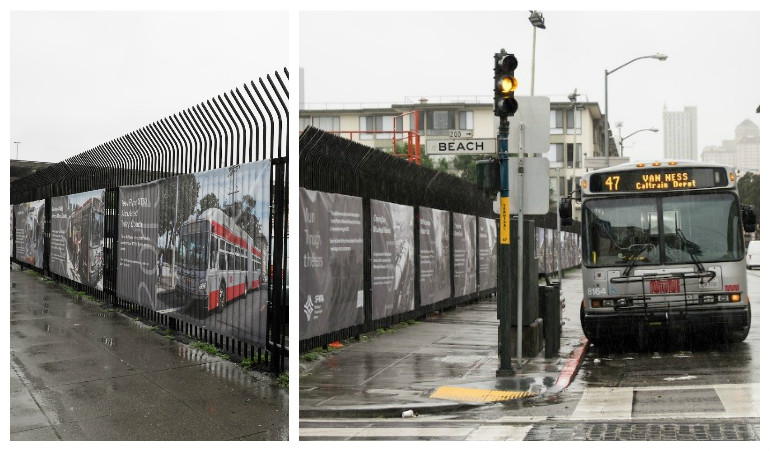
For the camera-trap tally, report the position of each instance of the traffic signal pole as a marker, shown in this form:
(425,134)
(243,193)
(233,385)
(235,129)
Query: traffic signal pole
(504,255)
(520,244)
(505,105)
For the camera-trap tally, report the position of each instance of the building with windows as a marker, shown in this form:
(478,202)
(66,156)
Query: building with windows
(680,134)
(576,138)
(741,152)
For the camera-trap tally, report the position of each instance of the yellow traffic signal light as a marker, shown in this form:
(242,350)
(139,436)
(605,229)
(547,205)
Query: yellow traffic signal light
(505,84)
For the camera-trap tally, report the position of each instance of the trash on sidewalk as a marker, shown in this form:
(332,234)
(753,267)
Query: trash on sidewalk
(408,414)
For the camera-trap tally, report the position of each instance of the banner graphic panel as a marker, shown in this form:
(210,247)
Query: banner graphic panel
(195,246)
(487,253)
(77,237)
(30,222)
(435,268)
(464,238)
(331,262)
(392,258)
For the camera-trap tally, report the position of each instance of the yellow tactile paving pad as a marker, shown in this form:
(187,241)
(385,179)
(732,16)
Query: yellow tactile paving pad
(478,394)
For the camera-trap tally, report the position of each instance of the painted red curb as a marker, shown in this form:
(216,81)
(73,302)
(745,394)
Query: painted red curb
(567,374)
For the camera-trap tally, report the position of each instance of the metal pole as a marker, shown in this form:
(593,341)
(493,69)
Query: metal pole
(504,255)
(532,82)
(606,124)
(520,243)
(17,149)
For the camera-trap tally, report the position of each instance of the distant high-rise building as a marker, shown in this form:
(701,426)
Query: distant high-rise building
(747,147)
(680,133)
(741,152)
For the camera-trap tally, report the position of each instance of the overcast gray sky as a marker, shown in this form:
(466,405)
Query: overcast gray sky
(79,79)
(387,57)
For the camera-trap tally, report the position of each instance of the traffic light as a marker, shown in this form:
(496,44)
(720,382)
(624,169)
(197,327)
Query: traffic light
(505,84)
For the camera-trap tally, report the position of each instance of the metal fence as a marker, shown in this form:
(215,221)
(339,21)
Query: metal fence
(247,124)
(332,164)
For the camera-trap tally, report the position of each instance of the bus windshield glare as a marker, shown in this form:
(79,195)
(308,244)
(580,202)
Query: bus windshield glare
(193,250)
(627,231)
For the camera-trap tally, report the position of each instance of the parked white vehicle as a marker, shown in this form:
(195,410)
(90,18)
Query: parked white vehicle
(752,255)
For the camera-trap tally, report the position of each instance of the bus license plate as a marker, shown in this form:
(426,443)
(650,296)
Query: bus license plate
(665,286)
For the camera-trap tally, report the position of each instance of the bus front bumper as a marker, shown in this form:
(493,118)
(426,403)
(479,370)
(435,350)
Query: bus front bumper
(731,318)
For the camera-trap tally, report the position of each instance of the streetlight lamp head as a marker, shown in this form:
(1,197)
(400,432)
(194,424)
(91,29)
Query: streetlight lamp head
(660,56)
(654,129)
(537,20)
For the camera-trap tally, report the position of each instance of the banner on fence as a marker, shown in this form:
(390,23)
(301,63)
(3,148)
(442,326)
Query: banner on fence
(77,237)
(30,222)
(487,253)
(194,247)
(435,268)
(392,258)
(332,262)
(464,239)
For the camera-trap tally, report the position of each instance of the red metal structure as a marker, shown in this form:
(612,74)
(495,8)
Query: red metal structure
(412,138)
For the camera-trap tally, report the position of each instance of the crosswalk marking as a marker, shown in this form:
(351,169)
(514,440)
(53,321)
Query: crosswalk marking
(605,403)
(500,433)
(448,432)
(451,433)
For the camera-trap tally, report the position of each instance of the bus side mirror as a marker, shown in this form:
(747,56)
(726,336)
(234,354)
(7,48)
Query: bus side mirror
(749,218)
(565,211)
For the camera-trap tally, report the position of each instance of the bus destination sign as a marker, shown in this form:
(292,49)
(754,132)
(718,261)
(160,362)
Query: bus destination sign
(658,179)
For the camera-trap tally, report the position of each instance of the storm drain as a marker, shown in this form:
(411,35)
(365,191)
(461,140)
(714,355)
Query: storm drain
(717,430)
(478,394)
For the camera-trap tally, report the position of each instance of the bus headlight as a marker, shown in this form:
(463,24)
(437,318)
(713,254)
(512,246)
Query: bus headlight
(202,286)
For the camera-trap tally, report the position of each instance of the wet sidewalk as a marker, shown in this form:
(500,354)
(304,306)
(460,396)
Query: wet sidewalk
(80,372)
(398,370)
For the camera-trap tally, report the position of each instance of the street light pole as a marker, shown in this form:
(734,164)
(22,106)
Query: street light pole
(623,138)
(657,56)
(17,149)
(537,21)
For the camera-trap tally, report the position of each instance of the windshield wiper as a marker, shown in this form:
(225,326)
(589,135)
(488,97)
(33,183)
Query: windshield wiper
(636,253)
(688,245)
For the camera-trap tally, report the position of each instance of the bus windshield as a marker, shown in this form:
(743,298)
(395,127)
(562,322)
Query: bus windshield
(695,227)
(193,251)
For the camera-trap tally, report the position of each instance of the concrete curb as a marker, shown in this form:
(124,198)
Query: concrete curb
(383,410)
(571,368)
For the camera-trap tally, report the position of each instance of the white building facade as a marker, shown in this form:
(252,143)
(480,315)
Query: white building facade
(575,131)
(680,134)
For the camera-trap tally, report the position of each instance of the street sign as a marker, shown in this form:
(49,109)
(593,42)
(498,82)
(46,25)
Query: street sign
(535,187)
(479,146)
(535,113)
(460,134)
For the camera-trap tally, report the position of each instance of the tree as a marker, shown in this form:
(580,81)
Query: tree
(748,190)
(208,201)
(443,165)
(174,209)
(466,165)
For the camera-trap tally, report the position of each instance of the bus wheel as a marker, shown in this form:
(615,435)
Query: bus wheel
(590,333)
(739,334)
(222,296)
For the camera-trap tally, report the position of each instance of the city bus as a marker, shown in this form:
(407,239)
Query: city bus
(662,245)
(85,234)
(218,261)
